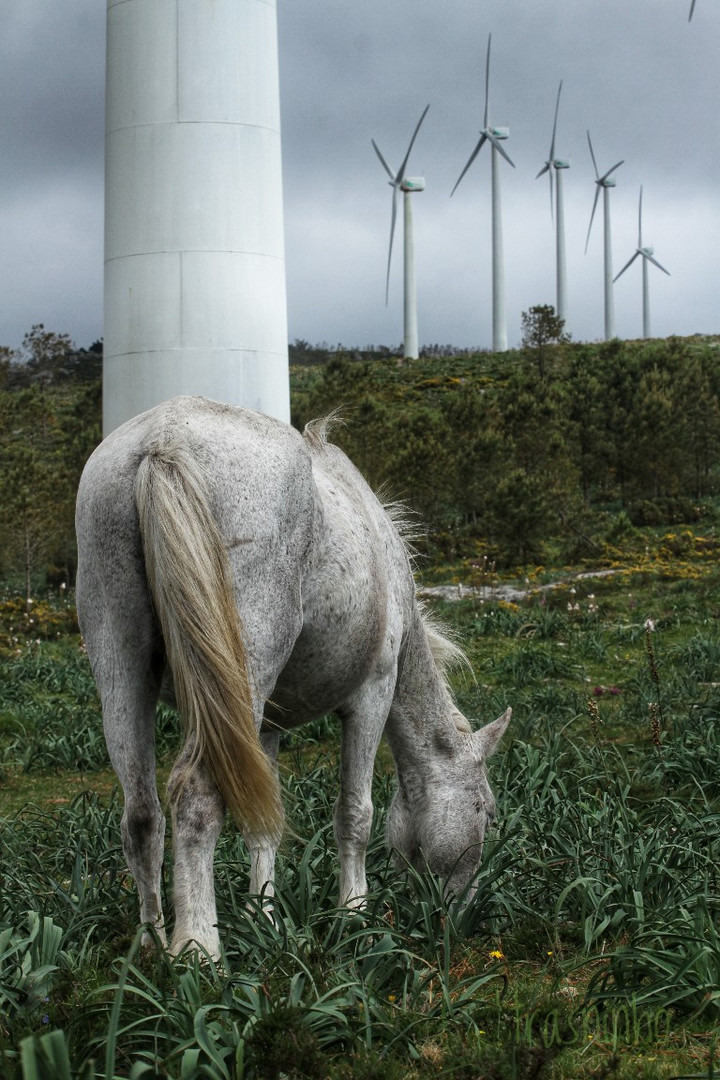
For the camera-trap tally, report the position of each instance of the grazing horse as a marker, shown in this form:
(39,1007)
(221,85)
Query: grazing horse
(248,574)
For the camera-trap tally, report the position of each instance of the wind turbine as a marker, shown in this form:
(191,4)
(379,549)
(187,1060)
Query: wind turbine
(647,256)
(195,297)
(494,135)
(408,185)
(557,165)
(604,183)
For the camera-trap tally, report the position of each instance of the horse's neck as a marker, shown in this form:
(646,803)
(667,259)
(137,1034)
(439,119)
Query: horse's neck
(422,712)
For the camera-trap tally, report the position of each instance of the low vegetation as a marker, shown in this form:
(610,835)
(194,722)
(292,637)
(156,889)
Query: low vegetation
(571,502)
(591,948)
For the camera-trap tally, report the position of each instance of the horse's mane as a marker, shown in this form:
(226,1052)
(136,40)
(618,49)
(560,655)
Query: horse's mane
(317,432)
(446,652)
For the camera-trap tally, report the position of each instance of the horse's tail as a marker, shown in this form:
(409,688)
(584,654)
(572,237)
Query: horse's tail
(190,582)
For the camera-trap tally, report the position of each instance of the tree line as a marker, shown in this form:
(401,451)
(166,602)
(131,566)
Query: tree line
(549,448)
(555,444)
(50,422)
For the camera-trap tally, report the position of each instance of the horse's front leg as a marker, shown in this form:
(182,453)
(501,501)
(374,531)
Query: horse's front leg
(362,728)
(262,848)
(197,813)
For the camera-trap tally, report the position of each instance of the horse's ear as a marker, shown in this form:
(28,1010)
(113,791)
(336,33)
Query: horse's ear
(488,737)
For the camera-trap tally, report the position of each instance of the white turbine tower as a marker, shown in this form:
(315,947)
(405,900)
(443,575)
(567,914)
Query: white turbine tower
(194,249)
(408,185)
(494,135)
(647,257)
(604,183)
(556,166)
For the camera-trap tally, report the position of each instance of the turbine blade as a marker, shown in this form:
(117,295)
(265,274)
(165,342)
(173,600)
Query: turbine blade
(592,216)
(393,219)
(592,155)
(383,162)
(617,166)
(628,263)
(557,106)
(487,82)
(552,207)
(692,8)
(499,147)
(547,168)
(640,219)
(655,263)
(401,170)
(472,157)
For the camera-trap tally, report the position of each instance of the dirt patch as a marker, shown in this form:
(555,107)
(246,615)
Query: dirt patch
(507,593)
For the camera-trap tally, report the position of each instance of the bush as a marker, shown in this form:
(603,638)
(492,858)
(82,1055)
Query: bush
(664,510)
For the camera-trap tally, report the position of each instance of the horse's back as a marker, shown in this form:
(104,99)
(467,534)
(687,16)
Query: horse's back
(223,438)
(253,466)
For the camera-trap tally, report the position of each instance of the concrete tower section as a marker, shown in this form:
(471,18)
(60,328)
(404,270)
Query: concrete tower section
(195,297)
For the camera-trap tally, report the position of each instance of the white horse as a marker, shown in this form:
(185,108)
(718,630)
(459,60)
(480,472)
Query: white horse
(249,574)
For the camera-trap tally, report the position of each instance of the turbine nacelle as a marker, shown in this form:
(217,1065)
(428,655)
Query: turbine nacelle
(560,163)
(412,183)
(497,132)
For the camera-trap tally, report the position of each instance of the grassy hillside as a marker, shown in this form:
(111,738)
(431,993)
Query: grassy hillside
(554,453)
(543,453)
(591,948)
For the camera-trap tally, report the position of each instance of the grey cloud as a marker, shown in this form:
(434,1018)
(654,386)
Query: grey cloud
(638,75)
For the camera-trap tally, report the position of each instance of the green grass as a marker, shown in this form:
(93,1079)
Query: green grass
(591,948)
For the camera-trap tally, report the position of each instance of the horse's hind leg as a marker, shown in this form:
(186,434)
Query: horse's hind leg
(143,822)
(197,813)
(123,670)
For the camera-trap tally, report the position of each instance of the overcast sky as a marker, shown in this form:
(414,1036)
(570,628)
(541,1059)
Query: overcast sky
(636,73)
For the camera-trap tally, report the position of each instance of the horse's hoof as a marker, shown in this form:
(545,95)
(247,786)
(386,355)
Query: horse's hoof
(152,938)
(266,908)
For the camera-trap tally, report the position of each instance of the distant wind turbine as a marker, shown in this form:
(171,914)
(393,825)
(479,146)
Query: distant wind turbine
(494,135)
(647,256)
(604,183)
(555,166)
(407,184)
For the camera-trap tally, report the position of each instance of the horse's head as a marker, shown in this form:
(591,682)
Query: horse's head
(441,824)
